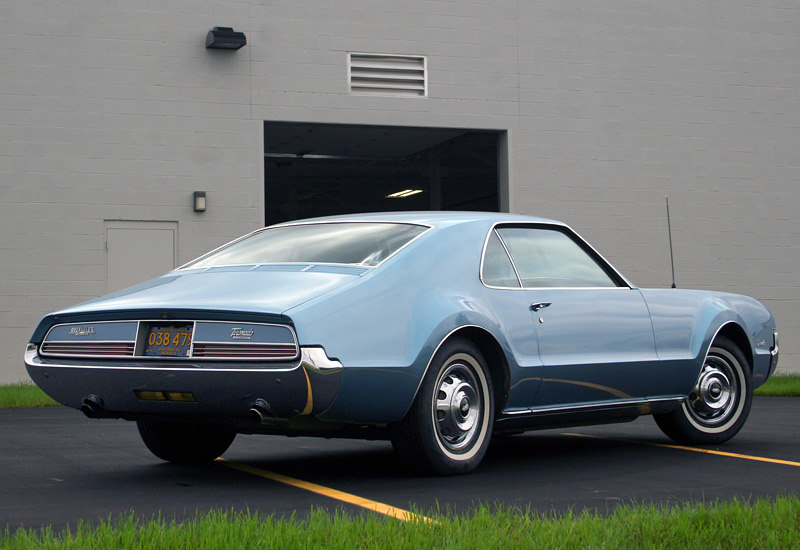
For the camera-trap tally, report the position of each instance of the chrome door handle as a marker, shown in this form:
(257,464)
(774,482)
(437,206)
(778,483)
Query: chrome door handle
(539,305)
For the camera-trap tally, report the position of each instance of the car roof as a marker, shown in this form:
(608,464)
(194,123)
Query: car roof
(434,218)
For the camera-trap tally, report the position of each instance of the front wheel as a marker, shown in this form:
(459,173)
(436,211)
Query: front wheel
(448,428)
(718,406)
(184,443)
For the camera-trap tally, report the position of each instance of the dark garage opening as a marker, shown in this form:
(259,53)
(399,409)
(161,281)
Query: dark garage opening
(326,169)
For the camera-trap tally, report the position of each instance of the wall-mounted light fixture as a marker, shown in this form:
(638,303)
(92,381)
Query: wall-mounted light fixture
(199,201)
(225,38)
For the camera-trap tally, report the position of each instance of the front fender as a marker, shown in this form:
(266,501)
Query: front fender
(685,323)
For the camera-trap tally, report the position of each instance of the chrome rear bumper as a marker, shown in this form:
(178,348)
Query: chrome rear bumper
(223,391)
(774,352)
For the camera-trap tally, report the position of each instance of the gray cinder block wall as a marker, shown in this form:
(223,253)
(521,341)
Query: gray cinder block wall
(115,112)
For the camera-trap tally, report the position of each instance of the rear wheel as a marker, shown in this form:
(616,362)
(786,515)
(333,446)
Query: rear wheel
(719,404)
(184,443)
(449,425)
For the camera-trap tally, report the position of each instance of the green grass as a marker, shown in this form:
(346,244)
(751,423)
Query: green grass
(781,385)
(724,525)
(22,395)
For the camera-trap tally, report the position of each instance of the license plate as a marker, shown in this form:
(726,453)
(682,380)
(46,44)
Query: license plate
(169,340)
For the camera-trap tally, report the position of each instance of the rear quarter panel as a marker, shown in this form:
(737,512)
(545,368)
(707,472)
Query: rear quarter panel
(385,328)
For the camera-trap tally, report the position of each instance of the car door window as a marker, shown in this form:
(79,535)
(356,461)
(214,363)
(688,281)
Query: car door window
(497,270)
(552,259)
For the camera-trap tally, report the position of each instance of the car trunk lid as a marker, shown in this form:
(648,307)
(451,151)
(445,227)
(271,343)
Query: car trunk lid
(255,288)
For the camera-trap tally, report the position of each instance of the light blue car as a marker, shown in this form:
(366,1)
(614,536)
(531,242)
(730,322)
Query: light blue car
(433,329)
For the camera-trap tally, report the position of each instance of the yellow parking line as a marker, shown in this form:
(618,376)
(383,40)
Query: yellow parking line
(693,449)
(372,505)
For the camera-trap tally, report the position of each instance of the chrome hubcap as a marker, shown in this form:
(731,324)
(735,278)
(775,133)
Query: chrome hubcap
(457,407)
(714,396)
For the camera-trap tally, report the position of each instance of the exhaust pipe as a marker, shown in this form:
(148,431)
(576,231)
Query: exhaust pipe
(93,407)
(260,413)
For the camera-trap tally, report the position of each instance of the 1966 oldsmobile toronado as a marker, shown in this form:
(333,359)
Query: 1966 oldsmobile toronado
(434,330)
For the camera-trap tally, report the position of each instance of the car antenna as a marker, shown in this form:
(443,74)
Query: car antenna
(671,254)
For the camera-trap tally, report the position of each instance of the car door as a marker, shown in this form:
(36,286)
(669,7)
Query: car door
(595,336)
(511,307)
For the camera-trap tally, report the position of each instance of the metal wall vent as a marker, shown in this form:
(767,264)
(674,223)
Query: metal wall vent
(403,75)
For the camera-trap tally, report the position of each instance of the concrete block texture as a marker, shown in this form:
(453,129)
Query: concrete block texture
(115,112)
(625,103)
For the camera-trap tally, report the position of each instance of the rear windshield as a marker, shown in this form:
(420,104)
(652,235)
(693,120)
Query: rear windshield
(363,243)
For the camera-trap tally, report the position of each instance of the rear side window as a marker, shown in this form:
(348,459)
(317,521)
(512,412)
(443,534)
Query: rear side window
(498,271)
(356,243)
(545,257)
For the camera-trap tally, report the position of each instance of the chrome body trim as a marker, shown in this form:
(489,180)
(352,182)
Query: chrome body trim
(312,358)
(287,391)
(708,351)
(569,231)
(315,359)
(283,354)
(774,353)
(492,231)
(598,405)
(430,360)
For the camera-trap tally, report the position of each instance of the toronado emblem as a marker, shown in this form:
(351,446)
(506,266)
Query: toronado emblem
(242,334)
(81,331)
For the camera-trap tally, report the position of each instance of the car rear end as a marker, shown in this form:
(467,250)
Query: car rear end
(181,364)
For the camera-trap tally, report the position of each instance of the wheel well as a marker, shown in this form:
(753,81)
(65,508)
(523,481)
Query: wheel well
(495,360)
(736,334)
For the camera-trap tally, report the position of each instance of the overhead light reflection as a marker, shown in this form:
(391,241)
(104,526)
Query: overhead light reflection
(403,194)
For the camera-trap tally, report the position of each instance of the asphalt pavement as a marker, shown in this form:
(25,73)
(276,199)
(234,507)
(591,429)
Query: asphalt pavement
(58,468)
